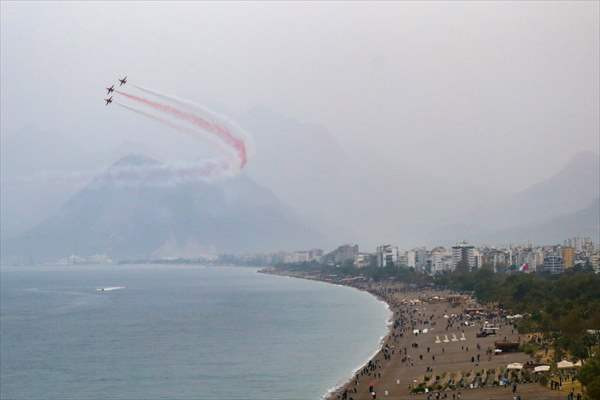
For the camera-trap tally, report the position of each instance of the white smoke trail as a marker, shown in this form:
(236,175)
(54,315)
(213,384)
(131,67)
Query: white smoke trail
(212,129)
(209,115)
(194,132)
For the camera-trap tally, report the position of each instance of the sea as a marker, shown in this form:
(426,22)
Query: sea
(179,332)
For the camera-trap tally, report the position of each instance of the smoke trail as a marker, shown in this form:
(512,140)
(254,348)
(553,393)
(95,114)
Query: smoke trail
(206,114)
(172,125)
(164,175)
(215,128)
(158,119)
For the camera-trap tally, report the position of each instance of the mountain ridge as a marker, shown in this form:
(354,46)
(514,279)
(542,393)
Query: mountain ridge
(137,219)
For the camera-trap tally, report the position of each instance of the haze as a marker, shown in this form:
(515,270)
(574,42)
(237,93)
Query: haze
(486,98)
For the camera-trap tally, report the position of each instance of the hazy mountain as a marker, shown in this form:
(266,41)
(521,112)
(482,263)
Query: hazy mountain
(347,195)
(585,222)
(140,217)
(571,189)
(563,205)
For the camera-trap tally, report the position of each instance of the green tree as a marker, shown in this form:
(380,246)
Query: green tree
(589,375)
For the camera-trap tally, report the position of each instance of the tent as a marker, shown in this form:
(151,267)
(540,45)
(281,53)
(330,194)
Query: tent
(564,364)
(542,368)
(514,366)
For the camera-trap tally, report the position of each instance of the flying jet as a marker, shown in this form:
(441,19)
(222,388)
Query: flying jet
(108,101)
(123,81)
(111,89)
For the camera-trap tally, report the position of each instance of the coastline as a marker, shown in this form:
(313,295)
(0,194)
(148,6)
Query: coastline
(338,388)
(425,318)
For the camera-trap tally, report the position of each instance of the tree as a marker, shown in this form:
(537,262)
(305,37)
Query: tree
(589,375)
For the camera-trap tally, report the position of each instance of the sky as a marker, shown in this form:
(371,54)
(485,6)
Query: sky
(502,94)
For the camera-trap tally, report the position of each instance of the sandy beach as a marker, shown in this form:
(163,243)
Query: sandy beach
(432,339)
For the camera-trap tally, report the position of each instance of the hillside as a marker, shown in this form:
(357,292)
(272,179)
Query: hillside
(144,218)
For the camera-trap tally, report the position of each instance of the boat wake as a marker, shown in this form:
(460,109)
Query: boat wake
(110,289)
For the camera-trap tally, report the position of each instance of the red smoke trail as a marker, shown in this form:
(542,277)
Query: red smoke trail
(219,130)
(155,118)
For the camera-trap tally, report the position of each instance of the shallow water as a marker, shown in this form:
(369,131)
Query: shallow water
(178,332)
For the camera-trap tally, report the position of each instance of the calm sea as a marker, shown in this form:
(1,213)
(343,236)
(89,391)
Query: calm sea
(178,332)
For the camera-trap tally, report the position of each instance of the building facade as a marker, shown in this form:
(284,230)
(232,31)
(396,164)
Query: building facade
(465,253)
(387,255)
(553,264)
(568,256)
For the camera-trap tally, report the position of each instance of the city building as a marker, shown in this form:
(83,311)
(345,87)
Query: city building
(441,260)
(464,253)
(411,259)
(568,256)
(421,258)
(387,255)
(595,261)
(553,264)
(363,260)
(342,254)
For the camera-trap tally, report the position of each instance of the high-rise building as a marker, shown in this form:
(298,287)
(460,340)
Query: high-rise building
(421,258)
(595,261)
(387,255)
(568,256)
(411,259)
(465,253)
(437,259)
(553,264)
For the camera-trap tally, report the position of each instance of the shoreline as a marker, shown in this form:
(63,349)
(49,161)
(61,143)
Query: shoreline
(465,367)
(331,393)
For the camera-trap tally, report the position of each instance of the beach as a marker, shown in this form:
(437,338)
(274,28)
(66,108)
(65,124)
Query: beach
(432,346)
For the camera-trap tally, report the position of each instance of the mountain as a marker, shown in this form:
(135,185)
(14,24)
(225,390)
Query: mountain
(563,205)
(307,167)
(127,214)
(573,188)
(585,222)
(352,197)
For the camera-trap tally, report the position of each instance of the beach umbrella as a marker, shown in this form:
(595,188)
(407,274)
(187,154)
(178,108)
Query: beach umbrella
(542,368)
(564,364)
(514,366)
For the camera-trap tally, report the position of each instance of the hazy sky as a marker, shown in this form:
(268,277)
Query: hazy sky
(502,94)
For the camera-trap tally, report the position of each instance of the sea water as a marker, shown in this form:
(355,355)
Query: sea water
(179,332)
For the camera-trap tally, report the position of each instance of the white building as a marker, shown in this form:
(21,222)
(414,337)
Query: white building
(441,260)
(362,260)
(411,259)
(387,255)
(465,253)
